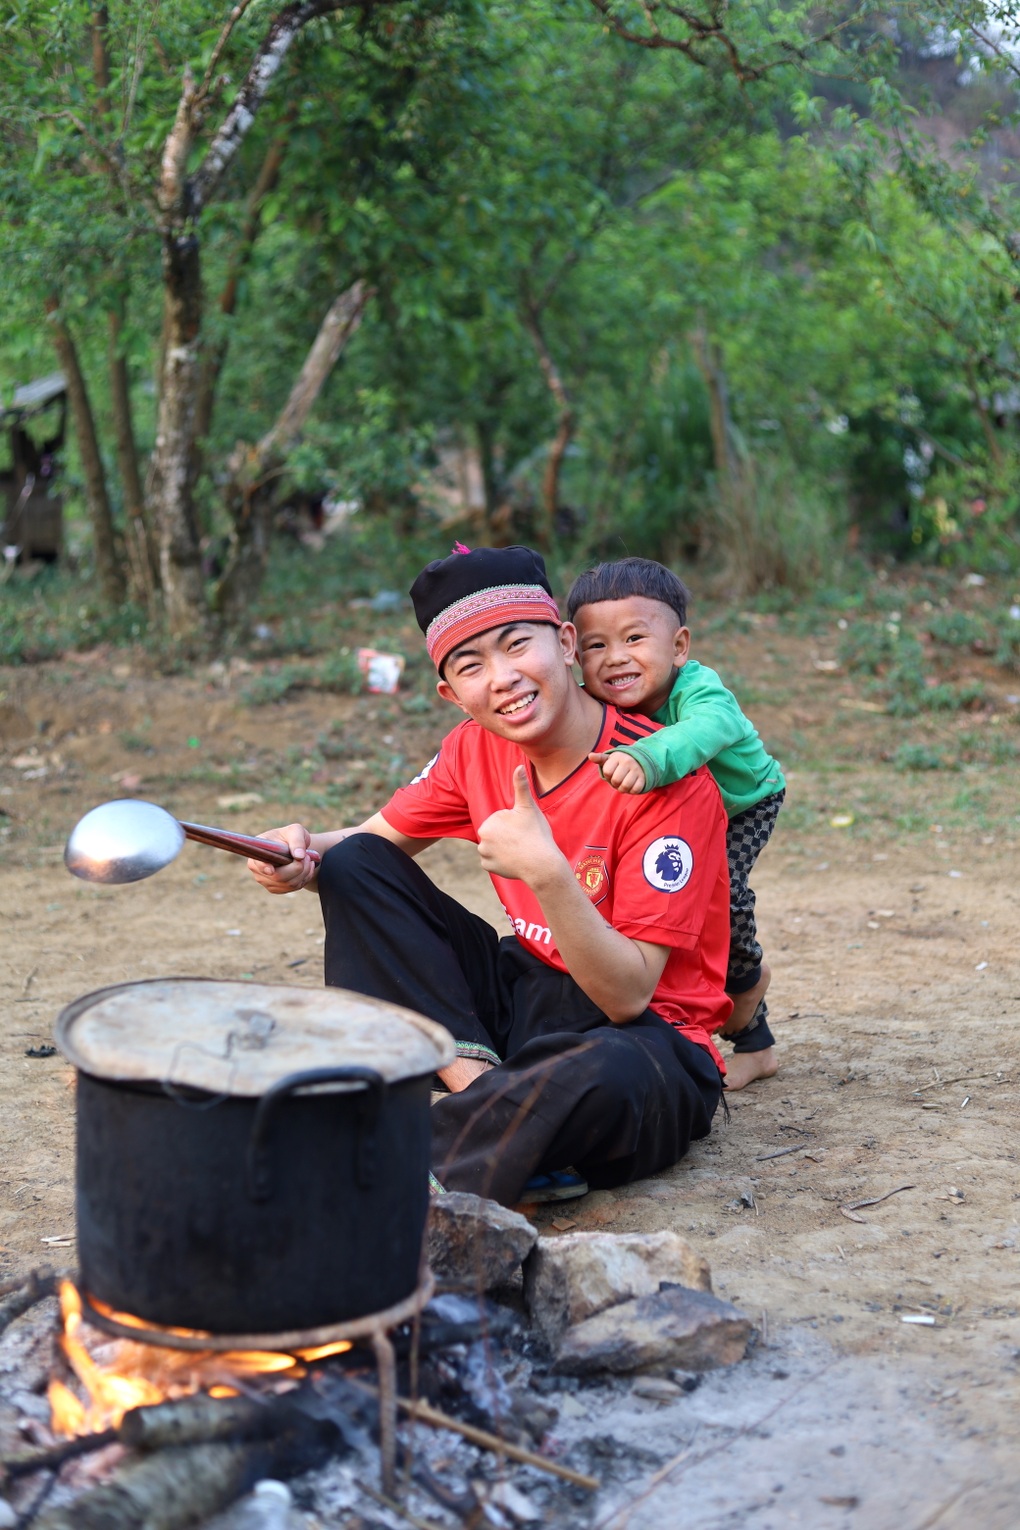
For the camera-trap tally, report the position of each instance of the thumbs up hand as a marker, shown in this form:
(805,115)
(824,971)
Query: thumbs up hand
(517,841)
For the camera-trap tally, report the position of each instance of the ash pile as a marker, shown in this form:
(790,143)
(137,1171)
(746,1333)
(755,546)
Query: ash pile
(524,1390)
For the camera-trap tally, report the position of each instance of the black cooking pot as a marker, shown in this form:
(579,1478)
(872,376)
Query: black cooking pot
(248,1209)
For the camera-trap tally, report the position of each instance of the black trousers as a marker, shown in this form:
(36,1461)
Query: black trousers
(617,1102)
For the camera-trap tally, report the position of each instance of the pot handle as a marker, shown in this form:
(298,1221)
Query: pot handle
(259,1172)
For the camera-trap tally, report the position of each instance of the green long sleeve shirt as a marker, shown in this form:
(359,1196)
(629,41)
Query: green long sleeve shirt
(705,726)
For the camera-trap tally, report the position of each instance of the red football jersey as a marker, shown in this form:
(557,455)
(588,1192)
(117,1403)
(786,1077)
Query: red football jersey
(654,865)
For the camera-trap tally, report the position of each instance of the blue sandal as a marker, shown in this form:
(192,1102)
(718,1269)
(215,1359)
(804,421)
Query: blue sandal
(557,1185)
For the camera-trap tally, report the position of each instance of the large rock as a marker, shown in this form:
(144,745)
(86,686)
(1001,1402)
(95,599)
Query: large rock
(570,1278)
(475,1244)
(676,1328)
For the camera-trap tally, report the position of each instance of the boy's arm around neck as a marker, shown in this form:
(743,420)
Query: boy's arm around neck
(704,719)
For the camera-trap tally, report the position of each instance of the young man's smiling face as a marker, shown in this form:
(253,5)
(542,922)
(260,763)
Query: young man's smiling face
(513,679)
(630,650)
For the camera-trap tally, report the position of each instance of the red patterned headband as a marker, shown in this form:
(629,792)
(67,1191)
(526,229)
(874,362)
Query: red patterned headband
(494,607)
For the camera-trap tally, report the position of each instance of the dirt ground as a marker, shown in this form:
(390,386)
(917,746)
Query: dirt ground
(895,996)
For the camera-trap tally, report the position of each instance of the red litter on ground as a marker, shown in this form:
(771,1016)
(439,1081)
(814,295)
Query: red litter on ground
(382,671)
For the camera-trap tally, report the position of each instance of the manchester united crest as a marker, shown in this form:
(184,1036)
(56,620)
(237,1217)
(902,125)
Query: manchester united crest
(591,872)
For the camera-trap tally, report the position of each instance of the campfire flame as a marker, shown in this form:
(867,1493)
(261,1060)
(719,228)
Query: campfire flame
(118,1374)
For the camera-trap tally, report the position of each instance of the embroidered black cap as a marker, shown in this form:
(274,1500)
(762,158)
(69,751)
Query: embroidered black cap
(470,591)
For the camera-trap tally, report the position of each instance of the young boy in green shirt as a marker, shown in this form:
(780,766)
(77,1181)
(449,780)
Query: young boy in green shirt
(633,645)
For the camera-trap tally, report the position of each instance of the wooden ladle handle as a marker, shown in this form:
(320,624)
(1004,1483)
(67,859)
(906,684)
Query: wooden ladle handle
(267,850)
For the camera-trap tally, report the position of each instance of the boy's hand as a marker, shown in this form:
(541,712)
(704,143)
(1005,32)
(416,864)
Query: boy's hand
(517,842)
(621,771)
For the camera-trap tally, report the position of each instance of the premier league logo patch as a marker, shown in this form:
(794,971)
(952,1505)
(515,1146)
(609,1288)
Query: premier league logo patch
(423,773)
(667,864)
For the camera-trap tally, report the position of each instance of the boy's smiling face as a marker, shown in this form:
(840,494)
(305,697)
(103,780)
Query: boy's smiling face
(630,651)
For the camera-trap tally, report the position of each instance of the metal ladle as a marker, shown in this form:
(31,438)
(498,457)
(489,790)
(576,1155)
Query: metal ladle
(127,840)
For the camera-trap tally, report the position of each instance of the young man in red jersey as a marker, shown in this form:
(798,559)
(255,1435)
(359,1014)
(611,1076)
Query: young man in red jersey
(583,1039)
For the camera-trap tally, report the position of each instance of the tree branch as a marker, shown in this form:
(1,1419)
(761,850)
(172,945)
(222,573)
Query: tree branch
(704,33)
(148,23)
(1004,55)
(340,323)
(104,541)
(235,125)
(101,57)
(110,163)
(249,494)
(173,167)
(221,43)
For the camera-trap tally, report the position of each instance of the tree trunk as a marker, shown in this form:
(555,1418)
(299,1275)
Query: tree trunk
(710,366)
(551,477)
(139,542)
(182,196)
(565,427)
(104,540)
(750,549)
(170,477)
(487,457)
(987,424)
(255,470)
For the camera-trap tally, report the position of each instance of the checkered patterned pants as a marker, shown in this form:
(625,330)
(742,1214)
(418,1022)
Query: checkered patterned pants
(747,835)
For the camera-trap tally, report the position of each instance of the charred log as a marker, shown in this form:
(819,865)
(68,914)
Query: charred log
(165,1492)
(184,1483)
(198,1419)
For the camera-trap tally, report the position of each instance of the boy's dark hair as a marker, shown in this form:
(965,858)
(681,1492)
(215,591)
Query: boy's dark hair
(629,576)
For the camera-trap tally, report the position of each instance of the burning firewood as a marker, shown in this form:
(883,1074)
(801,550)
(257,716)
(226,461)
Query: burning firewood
(166,1491)
(177,1484)
(191,1420)
(186,1421)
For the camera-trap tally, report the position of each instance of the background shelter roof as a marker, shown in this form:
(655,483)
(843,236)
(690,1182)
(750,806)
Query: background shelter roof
(33,397)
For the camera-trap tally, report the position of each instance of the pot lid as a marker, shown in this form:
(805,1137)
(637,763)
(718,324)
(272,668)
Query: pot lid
(241,1038)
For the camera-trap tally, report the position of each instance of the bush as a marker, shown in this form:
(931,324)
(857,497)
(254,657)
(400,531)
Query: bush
(779,530)
(58,610)
(921,757)
(956,629)
(1007,633)
(339,674)
(868,647)
(954,698)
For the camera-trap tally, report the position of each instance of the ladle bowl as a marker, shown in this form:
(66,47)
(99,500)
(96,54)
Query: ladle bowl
(128,840)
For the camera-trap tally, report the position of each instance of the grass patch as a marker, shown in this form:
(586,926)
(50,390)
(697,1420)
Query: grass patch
(339,675)
(922,757)
(58,610)
(957,629)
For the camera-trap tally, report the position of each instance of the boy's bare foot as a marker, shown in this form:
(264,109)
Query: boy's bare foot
(742,1068)
(745,1004)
